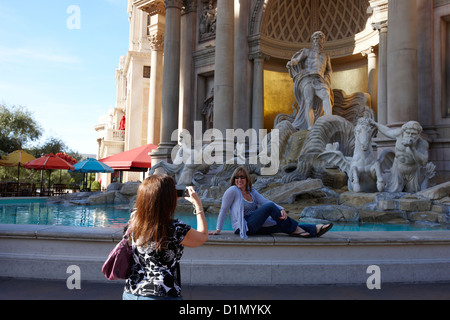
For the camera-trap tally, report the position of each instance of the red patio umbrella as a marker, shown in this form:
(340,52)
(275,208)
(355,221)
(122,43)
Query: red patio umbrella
(49,162)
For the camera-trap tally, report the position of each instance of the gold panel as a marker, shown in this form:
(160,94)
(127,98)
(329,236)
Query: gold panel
(278,96)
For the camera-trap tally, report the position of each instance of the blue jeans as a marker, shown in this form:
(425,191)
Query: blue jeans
(256,219)
(130,296)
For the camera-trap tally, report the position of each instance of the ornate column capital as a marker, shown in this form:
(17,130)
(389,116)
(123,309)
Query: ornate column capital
(189,6)
(368,51)
(381,26)
(173,4)
(152,8)
(157,41)
(258,56)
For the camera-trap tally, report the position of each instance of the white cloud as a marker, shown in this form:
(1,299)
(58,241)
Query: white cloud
(24,54)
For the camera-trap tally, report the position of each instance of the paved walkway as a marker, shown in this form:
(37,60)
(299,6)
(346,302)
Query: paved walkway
(24,289)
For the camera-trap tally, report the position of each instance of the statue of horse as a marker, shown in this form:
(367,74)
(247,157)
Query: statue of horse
(364,170)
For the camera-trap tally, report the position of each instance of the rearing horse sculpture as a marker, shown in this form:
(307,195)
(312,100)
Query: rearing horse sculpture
(364,170)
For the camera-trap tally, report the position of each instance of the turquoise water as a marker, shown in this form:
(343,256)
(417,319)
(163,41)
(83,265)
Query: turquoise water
(117,216)
(21,200)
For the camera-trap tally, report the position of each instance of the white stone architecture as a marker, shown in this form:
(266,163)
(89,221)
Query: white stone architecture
(182,51)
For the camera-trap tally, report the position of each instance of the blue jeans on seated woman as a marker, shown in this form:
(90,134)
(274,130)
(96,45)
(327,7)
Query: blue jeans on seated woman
(257,218)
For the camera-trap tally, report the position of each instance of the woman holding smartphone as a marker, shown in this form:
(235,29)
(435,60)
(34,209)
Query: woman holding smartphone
(158,240)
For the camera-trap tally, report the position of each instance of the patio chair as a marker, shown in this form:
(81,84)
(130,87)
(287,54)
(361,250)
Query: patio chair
(25,190)
(12,189)
(59,189)
(2,189)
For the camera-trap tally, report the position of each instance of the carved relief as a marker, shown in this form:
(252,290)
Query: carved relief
(157,41)
(207,20)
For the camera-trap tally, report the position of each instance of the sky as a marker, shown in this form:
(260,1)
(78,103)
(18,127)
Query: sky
(58,60)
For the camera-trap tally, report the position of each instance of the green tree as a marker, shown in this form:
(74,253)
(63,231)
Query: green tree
(51,145)
(17,128)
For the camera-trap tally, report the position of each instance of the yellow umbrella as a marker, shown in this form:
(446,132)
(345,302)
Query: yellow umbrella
(16,158)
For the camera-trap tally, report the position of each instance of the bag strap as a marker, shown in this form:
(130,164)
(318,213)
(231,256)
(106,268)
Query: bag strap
(126,235)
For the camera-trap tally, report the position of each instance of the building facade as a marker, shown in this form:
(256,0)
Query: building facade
(223,63)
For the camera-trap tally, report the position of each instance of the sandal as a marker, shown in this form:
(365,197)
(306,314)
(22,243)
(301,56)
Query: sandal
(324,229)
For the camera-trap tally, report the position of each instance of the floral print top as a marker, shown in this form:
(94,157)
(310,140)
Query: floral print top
(154,273)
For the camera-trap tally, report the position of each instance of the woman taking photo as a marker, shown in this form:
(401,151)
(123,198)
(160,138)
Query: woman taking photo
(158,240)
(251,213)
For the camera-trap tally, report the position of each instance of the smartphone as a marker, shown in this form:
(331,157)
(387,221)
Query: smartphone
(181,193)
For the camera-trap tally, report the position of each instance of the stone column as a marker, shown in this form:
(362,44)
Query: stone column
(425,65)
(372,75)
(171,81)
(135,103)
(188,30)
(382,72)
(154,107)
(402,62)
(258,90)
(224,68)
(242,72)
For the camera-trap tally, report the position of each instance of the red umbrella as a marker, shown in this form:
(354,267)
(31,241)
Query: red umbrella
(49,162)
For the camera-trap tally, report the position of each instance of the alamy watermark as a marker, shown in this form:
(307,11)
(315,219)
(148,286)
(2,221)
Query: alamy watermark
(74,280)
(374,281)
(211,147)
(73,22)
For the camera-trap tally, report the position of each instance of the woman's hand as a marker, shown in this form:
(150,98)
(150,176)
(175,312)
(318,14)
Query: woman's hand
(194,198)
(284,215)
(195,238)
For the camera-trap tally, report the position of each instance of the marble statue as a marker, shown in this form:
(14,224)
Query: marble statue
(410,168)
(187,165)
(406,167)
(364,169)
(208,111)
(172,169)
(311,71)
(327,130)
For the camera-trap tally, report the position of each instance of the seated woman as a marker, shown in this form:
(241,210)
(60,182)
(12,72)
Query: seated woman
(251,213)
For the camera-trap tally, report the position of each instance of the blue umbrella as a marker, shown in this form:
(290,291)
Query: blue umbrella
(91,165)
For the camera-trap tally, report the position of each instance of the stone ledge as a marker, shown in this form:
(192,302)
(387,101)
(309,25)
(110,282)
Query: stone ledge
(59,232)
(45,252)
(229,238)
